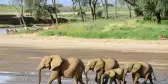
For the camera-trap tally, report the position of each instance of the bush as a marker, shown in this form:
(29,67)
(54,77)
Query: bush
(138,11)
(79,13)
(99,13)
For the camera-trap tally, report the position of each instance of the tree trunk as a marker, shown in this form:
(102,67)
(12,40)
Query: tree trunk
(22,10)
(129,8)
(52,18)
(54,5)
(23,21)
(21,14)
(94,10)
(92,5)
(106,8)
(73,7)
(158,18)
(115,8)
(82,16)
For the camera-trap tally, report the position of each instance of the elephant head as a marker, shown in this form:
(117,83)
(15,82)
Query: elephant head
(133,67)
(107,74)
(48,62)
(95,65)
(114,74)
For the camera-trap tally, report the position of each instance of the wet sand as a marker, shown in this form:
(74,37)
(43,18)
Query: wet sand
(18,64)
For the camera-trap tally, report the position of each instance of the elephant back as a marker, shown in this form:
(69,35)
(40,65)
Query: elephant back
(69,66)
(111,63)
(146,67)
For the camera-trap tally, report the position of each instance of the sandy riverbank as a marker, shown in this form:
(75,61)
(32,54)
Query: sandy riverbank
(54,42)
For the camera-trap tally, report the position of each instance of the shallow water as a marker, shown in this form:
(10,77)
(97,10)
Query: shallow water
(29,78)
(17,65)
(3,31)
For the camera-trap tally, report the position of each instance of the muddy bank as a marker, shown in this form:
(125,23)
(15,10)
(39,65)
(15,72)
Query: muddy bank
(18,64)
(27,59)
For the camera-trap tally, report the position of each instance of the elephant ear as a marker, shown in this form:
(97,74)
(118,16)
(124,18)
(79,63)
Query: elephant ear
(136,67)
(90,65)
(56,61)
(99,64)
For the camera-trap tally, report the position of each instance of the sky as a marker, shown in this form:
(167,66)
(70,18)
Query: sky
(64,2)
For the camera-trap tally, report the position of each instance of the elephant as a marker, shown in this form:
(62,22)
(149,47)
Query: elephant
(100,66)
(114,74)
(141,70)
(72,67)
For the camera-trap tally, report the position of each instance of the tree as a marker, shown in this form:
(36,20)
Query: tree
(81,11)
(105,5)
(73,6)
(115,8)
(20,10)
(150,8)
(93,4)
(123,3)
(54,5)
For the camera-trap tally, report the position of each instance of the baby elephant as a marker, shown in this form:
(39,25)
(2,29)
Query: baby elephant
(114,74)
(141,70)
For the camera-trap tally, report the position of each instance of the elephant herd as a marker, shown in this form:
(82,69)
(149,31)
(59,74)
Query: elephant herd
(109,68)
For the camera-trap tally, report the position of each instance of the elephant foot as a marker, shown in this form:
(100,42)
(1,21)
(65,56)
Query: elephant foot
(138,82)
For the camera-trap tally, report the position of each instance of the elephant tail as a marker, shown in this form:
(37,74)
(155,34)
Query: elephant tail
(154,76)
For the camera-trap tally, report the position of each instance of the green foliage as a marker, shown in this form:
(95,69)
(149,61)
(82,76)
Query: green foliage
(99,13)
(26,32)
(138,11)
(145,30)
(151,8)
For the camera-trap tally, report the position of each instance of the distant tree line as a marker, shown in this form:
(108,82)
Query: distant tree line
(149,9)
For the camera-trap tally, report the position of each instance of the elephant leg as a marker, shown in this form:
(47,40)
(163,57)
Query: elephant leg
(53,76)
(111,80)
(99,78)
(115,81)
(150,79)
(146,78)
(96,77)
(105,80)
(119,81)
(76,78)
(80,80)
(137,76)
(133,77)
(59,80)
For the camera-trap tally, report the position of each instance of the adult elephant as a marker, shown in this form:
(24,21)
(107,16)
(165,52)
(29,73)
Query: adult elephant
(71,67)
(114,74)
(141,70)
(100,66)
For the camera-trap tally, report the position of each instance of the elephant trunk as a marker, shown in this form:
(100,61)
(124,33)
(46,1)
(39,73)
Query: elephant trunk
(124,76)
(39,76)
(154,76)
(86,76)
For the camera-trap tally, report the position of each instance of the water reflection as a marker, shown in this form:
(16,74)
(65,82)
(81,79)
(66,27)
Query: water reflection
(4,79)
(3,31)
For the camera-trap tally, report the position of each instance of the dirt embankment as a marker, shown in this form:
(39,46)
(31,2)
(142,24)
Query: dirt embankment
(54,42)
